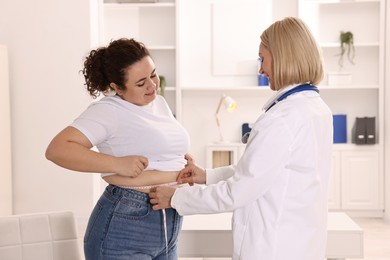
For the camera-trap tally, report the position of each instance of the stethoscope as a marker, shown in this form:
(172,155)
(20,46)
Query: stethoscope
(299,88)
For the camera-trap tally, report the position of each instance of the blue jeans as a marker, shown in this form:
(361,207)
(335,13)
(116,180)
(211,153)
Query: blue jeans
(123,226)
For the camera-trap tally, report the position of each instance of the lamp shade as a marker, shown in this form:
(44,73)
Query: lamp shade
(229,103)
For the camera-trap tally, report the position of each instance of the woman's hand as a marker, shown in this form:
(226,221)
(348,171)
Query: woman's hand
(192,174)
(131,166)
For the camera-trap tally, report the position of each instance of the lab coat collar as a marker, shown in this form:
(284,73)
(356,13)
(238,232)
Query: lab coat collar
(279,93)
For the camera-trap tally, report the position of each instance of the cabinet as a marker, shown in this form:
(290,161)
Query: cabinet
(5,137)
(356,182)
(224,154)
(154,24)
(360,168)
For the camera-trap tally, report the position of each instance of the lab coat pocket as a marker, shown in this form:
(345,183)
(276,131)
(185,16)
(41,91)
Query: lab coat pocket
(238,238)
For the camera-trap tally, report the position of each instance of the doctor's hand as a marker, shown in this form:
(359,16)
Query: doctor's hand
(131,166)
(192,174)
(190,159)
(160,197)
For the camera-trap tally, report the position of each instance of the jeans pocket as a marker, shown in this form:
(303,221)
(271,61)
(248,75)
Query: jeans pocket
(92,220)
(129,208)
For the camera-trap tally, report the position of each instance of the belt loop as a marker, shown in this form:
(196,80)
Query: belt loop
(112,189)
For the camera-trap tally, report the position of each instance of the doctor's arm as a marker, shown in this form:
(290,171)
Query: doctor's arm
(259,167)
(193,173)
(161,196)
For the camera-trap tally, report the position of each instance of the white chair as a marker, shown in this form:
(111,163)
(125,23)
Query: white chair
(39,236)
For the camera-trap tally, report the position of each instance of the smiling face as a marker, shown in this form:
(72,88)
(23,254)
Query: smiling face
(141,84)
(266,64)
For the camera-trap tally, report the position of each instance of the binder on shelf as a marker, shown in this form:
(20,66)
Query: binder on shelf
(339,129)
(370,130)
(363,131)
(359,131)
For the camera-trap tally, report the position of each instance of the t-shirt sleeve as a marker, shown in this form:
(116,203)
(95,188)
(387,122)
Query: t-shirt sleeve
(98,122)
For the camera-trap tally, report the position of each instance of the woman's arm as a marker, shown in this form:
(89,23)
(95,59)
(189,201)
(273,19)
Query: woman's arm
(71,149)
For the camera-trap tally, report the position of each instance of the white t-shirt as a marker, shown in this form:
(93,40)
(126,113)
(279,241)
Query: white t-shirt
(120,128)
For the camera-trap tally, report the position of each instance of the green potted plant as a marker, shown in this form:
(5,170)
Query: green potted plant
(346,48)
(163,84)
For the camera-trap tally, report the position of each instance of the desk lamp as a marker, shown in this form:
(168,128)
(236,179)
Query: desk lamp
(229,104)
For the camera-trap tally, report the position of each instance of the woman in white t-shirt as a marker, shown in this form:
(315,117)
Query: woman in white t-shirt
(140,145)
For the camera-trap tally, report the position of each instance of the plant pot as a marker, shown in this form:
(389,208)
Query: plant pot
(339,78)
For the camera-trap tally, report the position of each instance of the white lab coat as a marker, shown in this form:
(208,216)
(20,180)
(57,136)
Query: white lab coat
(278,190)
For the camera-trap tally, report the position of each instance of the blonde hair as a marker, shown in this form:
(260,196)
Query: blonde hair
(296,56)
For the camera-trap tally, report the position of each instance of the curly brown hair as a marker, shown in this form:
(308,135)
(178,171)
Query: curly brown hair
(107,65)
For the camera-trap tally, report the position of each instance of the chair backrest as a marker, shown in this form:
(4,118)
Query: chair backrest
(39,236)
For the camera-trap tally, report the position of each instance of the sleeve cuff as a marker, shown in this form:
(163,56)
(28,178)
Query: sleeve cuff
(211,177)
(218,174)
(173,200)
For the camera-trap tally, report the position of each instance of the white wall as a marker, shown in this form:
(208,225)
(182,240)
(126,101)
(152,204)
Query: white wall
(284,8)
(197,68)
(221,49)
(5,136)
(46,40)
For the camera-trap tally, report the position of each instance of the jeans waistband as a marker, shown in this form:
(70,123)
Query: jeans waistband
(117,191)
(146,189)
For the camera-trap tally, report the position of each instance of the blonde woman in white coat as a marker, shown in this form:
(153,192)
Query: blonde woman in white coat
(278,190)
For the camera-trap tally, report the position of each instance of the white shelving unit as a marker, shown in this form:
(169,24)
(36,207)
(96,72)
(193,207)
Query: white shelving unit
(357,182)
(154,24)
(184,38)
(327,19)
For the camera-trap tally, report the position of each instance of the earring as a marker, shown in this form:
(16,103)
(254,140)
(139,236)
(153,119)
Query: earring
(109,92)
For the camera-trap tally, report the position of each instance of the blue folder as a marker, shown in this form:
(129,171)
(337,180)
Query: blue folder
(339,129)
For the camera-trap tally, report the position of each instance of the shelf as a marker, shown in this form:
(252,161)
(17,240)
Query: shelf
(153,24)
(336,147)
(138,5)
(349,87)
(323,2)
(355,147)
(245,88)
(267,89)
(169,89)
(358,44)
(161,47)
